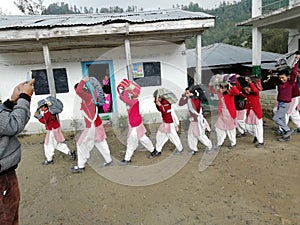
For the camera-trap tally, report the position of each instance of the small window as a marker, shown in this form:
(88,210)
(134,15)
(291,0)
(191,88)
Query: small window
(41,86)
(147,74)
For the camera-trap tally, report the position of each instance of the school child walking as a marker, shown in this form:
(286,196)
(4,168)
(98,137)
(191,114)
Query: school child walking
(137,131)
(293,111)
(241,113)
(169,127)
(198,123)
(285,85)
(54,138)
(254,122)
(94,133)
(226,122)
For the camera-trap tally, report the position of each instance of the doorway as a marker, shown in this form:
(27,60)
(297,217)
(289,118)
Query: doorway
(103,72)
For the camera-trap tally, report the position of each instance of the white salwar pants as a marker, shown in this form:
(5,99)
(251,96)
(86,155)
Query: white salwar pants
(85,147)
(193,139)
(221,135)
(162,138)
(133,141)
(52,144)
(256,130)
(241,125)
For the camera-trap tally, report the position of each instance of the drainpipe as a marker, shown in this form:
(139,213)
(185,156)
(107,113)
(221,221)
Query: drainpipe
(49,70)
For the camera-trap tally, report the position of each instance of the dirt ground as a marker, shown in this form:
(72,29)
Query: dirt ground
(241,186)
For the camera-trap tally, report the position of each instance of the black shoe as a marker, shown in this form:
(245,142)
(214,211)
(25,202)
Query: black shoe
(231,147)
(240,135)
(254,140)
(72,155)
(288,133)
(192,152)
(125,162)
(154,154)
(46,162)
(216,148)
(177,152)
(259,145)
(278,132)
(108,164)
(283,139)
(76,169)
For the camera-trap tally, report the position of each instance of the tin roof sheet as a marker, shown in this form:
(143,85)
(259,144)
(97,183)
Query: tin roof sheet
(223,54)
(49,21)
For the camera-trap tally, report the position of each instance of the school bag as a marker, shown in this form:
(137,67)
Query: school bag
(132,87)
(55,106)
(166,94)
(94,85)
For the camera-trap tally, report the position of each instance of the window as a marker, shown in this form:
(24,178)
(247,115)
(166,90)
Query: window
(147,74)
(41,86)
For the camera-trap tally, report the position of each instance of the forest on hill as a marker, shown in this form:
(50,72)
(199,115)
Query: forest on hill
(227,15)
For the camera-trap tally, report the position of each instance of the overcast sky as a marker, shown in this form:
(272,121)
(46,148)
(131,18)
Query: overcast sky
(8,7)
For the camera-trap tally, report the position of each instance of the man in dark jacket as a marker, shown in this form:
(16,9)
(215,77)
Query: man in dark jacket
(14,115)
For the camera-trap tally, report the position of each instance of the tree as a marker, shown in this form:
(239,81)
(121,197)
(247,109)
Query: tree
(30,7)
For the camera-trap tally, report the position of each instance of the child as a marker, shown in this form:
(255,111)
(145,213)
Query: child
(293,111)
(241,113)
(226,122)
(94,133)
(254,123)
(284,98)
(198,123)
(54,138)
(168,129)
(137,130)
(107,93)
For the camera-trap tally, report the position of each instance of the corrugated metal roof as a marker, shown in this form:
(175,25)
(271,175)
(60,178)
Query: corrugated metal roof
(49,21)
(223,54)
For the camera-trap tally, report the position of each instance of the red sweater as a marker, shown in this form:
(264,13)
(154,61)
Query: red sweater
(229,101)
(87,105)
(134,116)
(285,89)
(165,110)
(253,99)
(50,121)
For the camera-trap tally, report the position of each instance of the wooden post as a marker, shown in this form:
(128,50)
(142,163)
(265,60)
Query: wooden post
(128,60)
(49,70)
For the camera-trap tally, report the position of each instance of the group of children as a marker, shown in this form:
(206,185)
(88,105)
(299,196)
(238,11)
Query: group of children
(248,119)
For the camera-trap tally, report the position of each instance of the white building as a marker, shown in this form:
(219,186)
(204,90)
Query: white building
(59,49)
(284,14)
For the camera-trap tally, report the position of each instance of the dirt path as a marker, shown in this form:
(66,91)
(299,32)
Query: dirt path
(242,186)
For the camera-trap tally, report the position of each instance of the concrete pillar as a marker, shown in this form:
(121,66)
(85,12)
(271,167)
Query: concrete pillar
(256,39)
(198,71)
(256,51)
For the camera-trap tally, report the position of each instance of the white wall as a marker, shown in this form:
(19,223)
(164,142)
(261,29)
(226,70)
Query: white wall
(14,68)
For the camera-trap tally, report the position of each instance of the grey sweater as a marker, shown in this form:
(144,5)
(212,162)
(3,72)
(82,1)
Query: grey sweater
(13,119)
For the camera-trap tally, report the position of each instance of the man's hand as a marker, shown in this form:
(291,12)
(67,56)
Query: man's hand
(26,88)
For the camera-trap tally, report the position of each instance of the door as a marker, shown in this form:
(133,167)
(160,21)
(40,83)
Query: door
(103,72)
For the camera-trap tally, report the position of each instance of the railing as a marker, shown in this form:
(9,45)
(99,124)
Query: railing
(273,5)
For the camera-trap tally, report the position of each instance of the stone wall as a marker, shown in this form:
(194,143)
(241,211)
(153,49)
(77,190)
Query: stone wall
(267,100)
